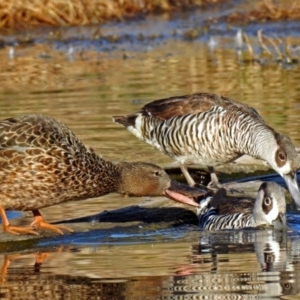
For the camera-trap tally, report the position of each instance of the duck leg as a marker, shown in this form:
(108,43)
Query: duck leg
(14,229)
(39,222)
(188,177)
(214,183)
(191,182)
(212,186)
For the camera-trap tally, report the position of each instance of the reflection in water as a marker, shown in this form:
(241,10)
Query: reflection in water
(221,264)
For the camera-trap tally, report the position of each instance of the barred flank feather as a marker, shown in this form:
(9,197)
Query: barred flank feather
(208,138)
(208,219)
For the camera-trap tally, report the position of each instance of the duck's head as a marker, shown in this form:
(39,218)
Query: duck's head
(146,179)
(270,206)
(284,160)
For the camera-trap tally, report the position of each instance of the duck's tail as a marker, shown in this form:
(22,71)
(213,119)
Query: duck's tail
(126,121)
(139,125)
(133,123)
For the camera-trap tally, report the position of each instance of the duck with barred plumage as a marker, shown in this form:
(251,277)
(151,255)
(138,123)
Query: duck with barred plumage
(42,163)
(227,212)
(210,130)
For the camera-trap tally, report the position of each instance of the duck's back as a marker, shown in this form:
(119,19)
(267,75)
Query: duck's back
(226,204)
(196,103)
(225,212)
(43,163)
(37,131)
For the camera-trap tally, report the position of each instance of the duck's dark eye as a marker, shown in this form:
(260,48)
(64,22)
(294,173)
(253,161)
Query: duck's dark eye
(281,156)
(267,201)
(157,173)
(287,285)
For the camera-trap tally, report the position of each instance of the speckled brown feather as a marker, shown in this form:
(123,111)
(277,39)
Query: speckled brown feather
(42,163)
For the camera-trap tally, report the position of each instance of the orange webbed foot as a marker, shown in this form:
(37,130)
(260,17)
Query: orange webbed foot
(14,229)
(39,222)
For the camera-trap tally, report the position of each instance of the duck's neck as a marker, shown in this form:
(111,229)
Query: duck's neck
(258,217)
(128,180)
(120,171)
(98,177)
(260,143)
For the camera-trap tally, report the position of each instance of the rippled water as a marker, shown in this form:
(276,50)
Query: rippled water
(179,263)
(83,84)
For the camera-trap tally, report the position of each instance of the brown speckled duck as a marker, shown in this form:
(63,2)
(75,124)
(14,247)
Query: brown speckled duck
(42,163)
(210,130)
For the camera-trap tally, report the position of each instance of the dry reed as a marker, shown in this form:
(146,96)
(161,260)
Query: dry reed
(268,10)
(28,13)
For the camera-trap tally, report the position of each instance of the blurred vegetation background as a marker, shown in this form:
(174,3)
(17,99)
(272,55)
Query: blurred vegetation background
(18,14)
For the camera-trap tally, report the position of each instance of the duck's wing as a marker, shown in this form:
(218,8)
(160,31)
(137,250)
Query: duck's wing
(225,204)
(177,106)
(37,131)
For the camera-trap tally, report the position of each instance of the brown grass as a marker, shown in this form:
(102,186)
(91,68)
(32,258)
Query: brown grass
(28,13)
(268,10)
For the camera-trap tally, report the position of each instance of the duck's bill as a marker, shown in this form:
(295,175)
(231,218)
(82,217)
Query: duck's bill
(293,187)
(184,194)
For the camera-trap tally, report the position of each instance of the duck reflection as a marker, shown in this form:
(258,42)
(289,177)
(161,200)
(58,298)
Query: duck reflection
(247,262)
(227,264)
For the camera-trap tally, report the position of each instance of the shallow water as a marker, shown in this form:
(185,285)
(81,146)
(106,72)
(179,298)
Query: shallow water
(179,263)
(83,80)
